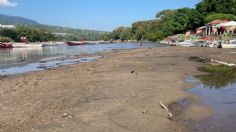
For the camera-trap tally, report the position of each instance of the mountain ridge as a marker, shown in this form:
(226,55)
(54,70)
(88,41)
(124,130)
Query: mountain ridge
(16,20)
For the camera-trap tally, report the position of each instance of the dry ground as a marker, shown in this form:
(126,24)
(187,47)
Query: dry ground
(104,96)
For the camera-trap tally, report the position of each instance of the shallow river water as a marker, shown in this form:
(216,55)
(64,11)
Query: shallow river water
(218,91)
(21,60)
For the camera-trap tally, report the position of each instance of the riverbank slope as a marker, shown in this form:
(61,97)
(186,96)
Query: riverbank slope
(119,93)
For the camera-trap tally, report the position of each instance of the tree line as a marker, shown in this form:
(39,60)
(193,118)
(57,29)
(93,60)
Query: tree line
(177,21)
(30,33)
(46,33)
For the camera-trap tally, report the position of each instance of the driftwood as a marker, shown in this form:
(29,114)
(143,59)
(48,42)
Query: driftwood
(222,62)
(170,115)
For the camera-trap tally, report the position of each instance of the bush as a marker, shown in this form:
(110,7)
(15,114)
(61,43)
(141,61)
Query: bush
(5,39)
(219,16)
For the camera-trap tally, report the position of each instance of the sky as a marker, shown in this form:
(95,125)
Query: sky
(104,15)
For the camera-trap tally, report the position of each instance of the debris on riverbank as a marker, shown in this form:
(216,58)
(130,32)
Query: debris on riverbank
(3,76)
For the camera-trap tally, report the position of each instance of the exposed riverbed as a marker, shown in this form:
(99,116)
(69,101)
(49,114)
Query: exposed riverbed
(119,92)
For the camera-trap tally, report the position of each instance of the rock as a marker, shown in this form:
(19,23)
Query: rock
(65,115)
(133,72)
(144,112)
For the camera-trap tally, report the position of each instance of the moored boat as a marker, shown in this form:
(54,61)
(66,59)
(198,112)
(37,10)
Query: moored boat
(6,45)
(24,45)
(186,43)
(49,44)
(200,43)
(74,43)
(19,45)
(228,46)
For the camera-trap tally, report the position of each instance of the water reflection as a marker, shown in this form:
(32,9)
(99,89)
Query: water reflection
(21,56)
(217,90)
(219,76)
(22,60)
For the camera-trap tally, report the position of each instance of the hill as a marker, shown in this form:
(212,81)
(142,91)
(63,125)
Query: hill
(16,20)
(72,33)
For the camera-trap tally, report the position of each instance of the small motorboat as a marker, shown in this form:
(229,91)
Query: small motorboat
(6,45)
(200,43)
(49,44)
(74,43)
(186,43)
(19,45)
(228,46)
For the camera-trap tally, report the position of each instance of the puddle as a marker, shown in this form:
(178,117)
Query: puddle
(216,90)
(220,76)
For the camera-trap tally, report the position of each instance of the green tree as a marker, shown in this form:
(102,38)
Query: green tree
(216,6)
(122,33)
(126,34)
(9,33)
(182,19)
(5,39)
(34,34)
(219,16)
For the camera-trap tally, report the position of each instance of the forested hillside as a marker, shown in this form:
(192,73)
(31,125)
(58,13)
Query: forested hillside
(32,29)
(169,22)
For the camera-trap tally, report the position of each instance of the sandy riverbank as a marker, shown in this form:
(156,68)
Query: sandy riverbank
(104,96)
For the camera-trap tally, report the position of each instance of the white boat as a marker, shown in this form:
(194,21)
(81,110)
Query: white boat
(228,46)
(19,45)
(186,43)
(23,45)
(49,44)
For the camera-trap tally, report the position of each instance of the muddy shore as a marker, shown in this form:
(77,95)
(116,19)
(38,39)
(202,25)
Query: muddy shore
(117,93)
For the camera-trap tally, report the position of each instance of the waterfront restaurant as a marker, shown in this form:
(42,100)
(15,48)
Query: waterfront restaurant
(210,28)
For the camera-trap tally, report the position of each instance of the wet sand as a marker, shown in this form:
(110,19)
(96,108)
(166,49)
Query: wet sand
(118,93)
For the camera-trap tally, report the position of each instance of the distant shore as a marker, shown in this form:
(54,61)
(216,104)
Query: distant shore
(120,92)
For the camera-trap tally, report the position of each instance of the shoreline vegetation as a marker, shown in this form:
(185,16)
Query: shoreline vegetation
(167,23)
(171,22)
(29,33)
(90,102)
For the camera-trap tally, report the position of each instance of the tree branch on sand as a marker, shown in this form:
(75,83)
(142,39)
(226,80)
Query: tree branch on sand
(170,115)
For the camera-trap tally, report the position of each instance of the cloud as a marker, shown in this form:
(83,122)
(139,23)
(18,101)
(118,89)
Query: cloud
(7,3)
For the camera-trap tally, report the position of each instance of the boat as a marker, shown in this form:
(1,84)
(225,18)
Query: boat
(186,43)
(228,46)
(49,44)
(200,43)
(216,44)
(19,45)
(24,45)
(6,45)
(74,43)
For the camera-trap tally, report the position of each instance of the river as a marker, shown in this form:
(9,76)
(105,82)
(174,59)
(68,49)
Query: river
(21,60)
